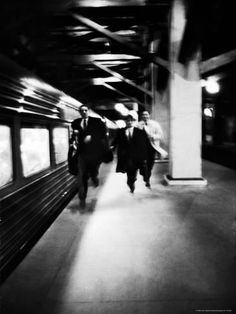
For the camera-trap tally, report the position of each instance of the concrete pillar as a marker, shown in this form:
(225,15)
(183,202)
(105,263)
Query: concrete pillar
(185,109)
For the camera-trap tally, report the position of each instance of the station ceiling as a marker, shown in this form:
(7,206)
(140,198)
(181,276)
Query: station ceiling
(99,51)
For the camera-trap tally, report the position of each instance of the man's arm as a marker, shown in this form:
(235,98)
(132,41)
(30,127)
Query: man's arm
(104,129)
(156,132)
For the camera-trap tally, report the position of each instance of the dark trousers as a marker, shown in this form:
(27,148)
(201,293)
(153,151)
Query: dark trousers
(150,160)
(132,170)
(87,168)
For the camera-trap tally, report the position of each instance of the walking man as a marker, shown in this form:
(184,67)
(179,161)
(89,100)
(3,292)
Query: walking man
(91,136)
(155,135)
(131,145)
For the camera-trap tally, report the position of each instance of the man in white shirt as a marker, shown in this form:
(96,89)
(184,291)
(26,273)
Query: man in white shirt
(155,135)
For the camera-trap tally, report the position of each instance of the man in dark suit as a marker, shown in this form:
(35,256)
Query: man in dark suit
(131,143)
(91,136)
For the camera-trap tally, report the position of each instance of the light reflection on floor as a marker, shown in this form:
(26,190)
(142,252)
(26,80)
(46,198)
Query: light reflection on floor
(144,253)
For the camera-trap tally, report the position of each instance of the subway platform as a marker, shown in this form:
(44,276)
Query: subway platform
(164,250)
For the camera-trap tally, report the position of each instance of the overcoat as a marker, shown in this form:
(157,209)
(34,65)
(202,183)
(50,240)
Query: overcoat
(132,150)
(96,128)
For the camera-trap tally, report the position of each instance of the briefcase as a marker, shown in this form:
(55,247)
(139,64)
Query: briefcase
(72,160)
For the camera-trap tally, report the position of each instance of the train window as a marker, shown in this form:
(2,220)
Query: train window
(35,153)
(6,169)
(60,142)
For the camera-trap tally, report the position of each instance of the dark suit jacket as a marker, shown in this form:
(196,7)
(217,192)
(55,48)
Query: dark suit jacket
(132,150)
(98,131)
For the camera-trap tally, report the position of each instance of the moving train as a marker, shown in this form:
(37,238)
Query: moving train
(35,184)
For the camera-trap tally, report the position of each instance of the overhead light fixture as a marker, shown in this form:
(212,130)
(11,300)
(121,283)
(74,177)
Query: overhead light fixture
(121,109)
(211,85)
(102,80)
(208,112)
(126,32)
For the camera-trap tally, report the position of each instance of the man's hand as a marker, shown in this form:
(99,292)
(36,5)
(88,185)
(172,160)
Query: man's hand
(87,139)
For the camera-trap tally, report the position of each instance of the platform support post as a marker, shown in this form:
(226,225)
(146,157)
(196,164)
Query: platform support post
(185,164)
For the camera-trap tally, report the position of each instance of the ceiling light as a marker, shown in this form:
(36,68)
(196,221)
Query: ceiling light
(212,86)
(121,109)
(126,32)
(102,80)
(208,112)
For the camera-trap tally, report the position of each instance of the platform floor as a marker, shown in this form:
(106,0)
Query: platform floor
(167,250)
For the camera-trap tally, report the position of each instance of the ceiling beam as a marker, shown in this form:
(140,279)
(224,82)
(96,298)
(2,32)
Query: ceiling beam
(85,59)
(92,81)
(122,78)
(137,51)
(123,94)
(218,61)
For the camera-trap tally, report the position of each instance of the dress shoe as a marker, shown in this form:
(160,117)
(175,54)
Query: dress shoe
(148,185)
(132,187)
(82,203)
(95,181)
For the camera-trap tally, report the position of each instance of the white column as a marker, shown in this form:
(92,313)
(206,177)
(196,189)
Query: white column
(185,166)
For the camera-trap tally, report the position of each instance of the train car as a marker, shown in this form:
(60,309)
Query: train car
(35,184)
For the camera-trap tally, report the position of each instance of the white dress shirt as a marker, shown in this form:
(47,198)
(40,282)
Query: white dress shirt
(84,123)
(129,132)
(154,134)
